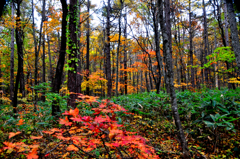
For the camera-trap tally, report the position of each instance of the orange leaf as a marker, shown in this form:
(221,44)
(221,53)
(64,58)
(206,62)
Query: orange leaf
(36,137)
(20,122)
(33,154)
(74,112)
(9,145)
(65,122)
(72,148)
(11,134)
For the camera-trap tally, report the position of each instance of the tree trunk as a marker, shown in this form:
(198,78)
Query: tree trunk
(107,52)
(12,58)
(157,48)
(191,46)
(20,75)
(59,70)
(50,60)
(118,48)
(234,32)
(88,43)
(73,54)
(167,54)
(43,55)
(79,77)
(125,57)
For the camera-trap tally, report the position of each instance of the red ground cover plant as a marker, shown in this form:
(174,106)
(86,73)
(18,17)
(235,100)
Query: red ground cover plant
(95,136)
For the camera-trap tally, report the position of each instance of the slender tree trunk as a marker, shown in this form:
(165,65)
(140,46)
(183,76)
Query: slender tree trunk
(125,57)
(79,78)
(88,43)
(35,44)
(167,54)
(43,55)
(107,52)
(119,43)
(205,39)
(50,60)
(57,81)
(191,46)
(234,32)
(20,75)
(157,48)
(12,57)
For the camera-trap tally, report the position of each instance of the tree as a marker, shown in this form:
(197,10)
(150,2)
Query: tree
(72,74)
(107,53)
(12,57)
(169,73)
(57,81)
(234,32)
(20,75)
(88,44)
(119,43)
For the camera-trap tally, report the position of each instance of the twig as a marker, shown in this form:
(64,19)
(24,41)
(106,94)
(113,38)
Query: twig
(54,147)
(84,151)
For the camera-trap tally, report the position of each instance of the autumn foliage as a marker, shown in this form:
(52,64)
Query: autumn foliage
(98,135)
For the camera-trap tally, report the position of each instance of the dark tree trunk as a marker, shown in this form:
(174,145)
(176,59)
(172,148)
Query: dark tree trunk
(59,70)
(73,54)
(205,39)
(12,58)
(125,57)
(157,47)
(20,75)
(234,32)
(118,48)
(168,55)
(191,46)
(79,78)
(88,43)
(107,53)
(43,56)
(50,60)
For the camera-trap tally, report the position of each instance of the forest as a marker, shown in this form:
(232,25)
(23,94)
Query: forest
(119,79)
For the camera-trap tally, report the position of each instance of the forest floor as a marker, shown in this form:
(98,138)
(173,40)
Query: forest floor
(210,119)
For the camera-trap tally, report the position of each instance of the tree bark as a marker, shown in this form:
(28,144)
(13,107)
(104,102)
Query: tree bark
(157,47)
(50,77)
(12,57)
(72,74)
(79,77)
(43,55)
(20,75)
(107,52)
(59,70)
(167,53)
(234,32)
(119,43)
(88,43)
(191,46)
(125,57)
